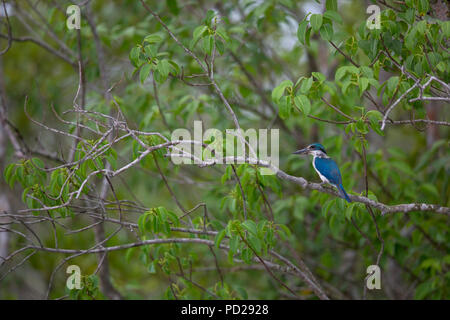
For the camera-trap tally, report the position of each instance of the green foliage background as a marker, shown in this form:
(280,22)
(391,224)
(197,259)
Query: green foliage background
(275,69)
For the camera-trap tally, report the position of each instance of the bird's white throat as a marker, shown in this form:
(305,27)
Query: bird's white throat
(322,177)
(318,153)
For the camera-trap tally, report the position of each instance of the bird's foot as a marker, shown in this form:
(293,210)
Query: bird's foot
(326,185)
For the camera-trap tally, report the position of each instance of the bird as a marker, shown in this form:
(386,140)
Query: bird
(326,168)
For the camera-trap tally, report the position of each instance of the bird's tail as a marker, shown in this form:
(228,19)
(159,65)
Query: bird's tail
(343,194)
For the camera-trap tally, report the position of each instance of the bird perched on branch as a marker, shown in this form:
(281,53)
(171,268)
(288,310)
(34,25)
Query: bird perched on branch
(326,167)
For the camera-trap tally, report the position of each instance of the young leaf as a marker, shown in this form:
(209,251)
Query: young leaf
(278,91)
(349,210)
(152,38)
(250,226)
(306,85)
(207,45)
(134,56)
(8,173)
(319,76)
(221,32)
(301,31)
(302,102)
(316,21)
(333,15)
(198,33)
(284,107)
(326,32)
(331,5)
(164,68)
(219,237)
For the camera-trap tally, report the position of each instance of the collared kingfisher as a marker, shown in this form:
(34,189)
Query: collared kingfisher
(326,168)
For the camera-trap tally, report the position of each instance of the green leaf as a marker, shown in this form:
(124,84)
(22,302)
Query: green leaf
(445,26)
(306,85)
(402,167)
(411,39)
(430,189)
(234,243)
(374,120)
(421,27)
(299,80)
(301,31)
(20,174)
(173,6)
(141,222)
(134,56)
(8,172)
(361,126)
(376,126)
(423,6)
(349,210)
(111,160)
(242,292)
(331,5)
(327,207)
(278,91)
(173,217)
(151,267)
(219,237)
(353,70)
(316,21)
(198,33)
(334,224)
(307,36)
(351,45)
(423,290)
(129,253)
(441,66)
(209,15)
(255,243)
(374,114)
(319,76)
(250,225)
(150,51)
(174,66)
(38,163)
(366,71)
(208,44)
(333,15)
(163,67)
(153,38)
(340,73)
(392,84)
(221,32)
(363,84)
(25,193)
(326,32)
(302,102)
(284,107)
(145,71)
(220,47)
(345,85)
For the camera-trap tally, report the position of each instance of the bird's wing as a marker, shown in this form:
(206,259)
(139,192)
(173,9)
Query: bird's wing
(329,169)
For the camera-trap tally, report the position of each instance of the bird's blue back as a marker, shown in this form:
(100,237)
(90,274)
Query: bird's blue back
(329,169)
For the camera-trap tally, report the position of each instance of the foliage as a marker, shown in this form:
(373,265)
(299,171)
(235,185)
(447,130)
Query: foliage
(372,97)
